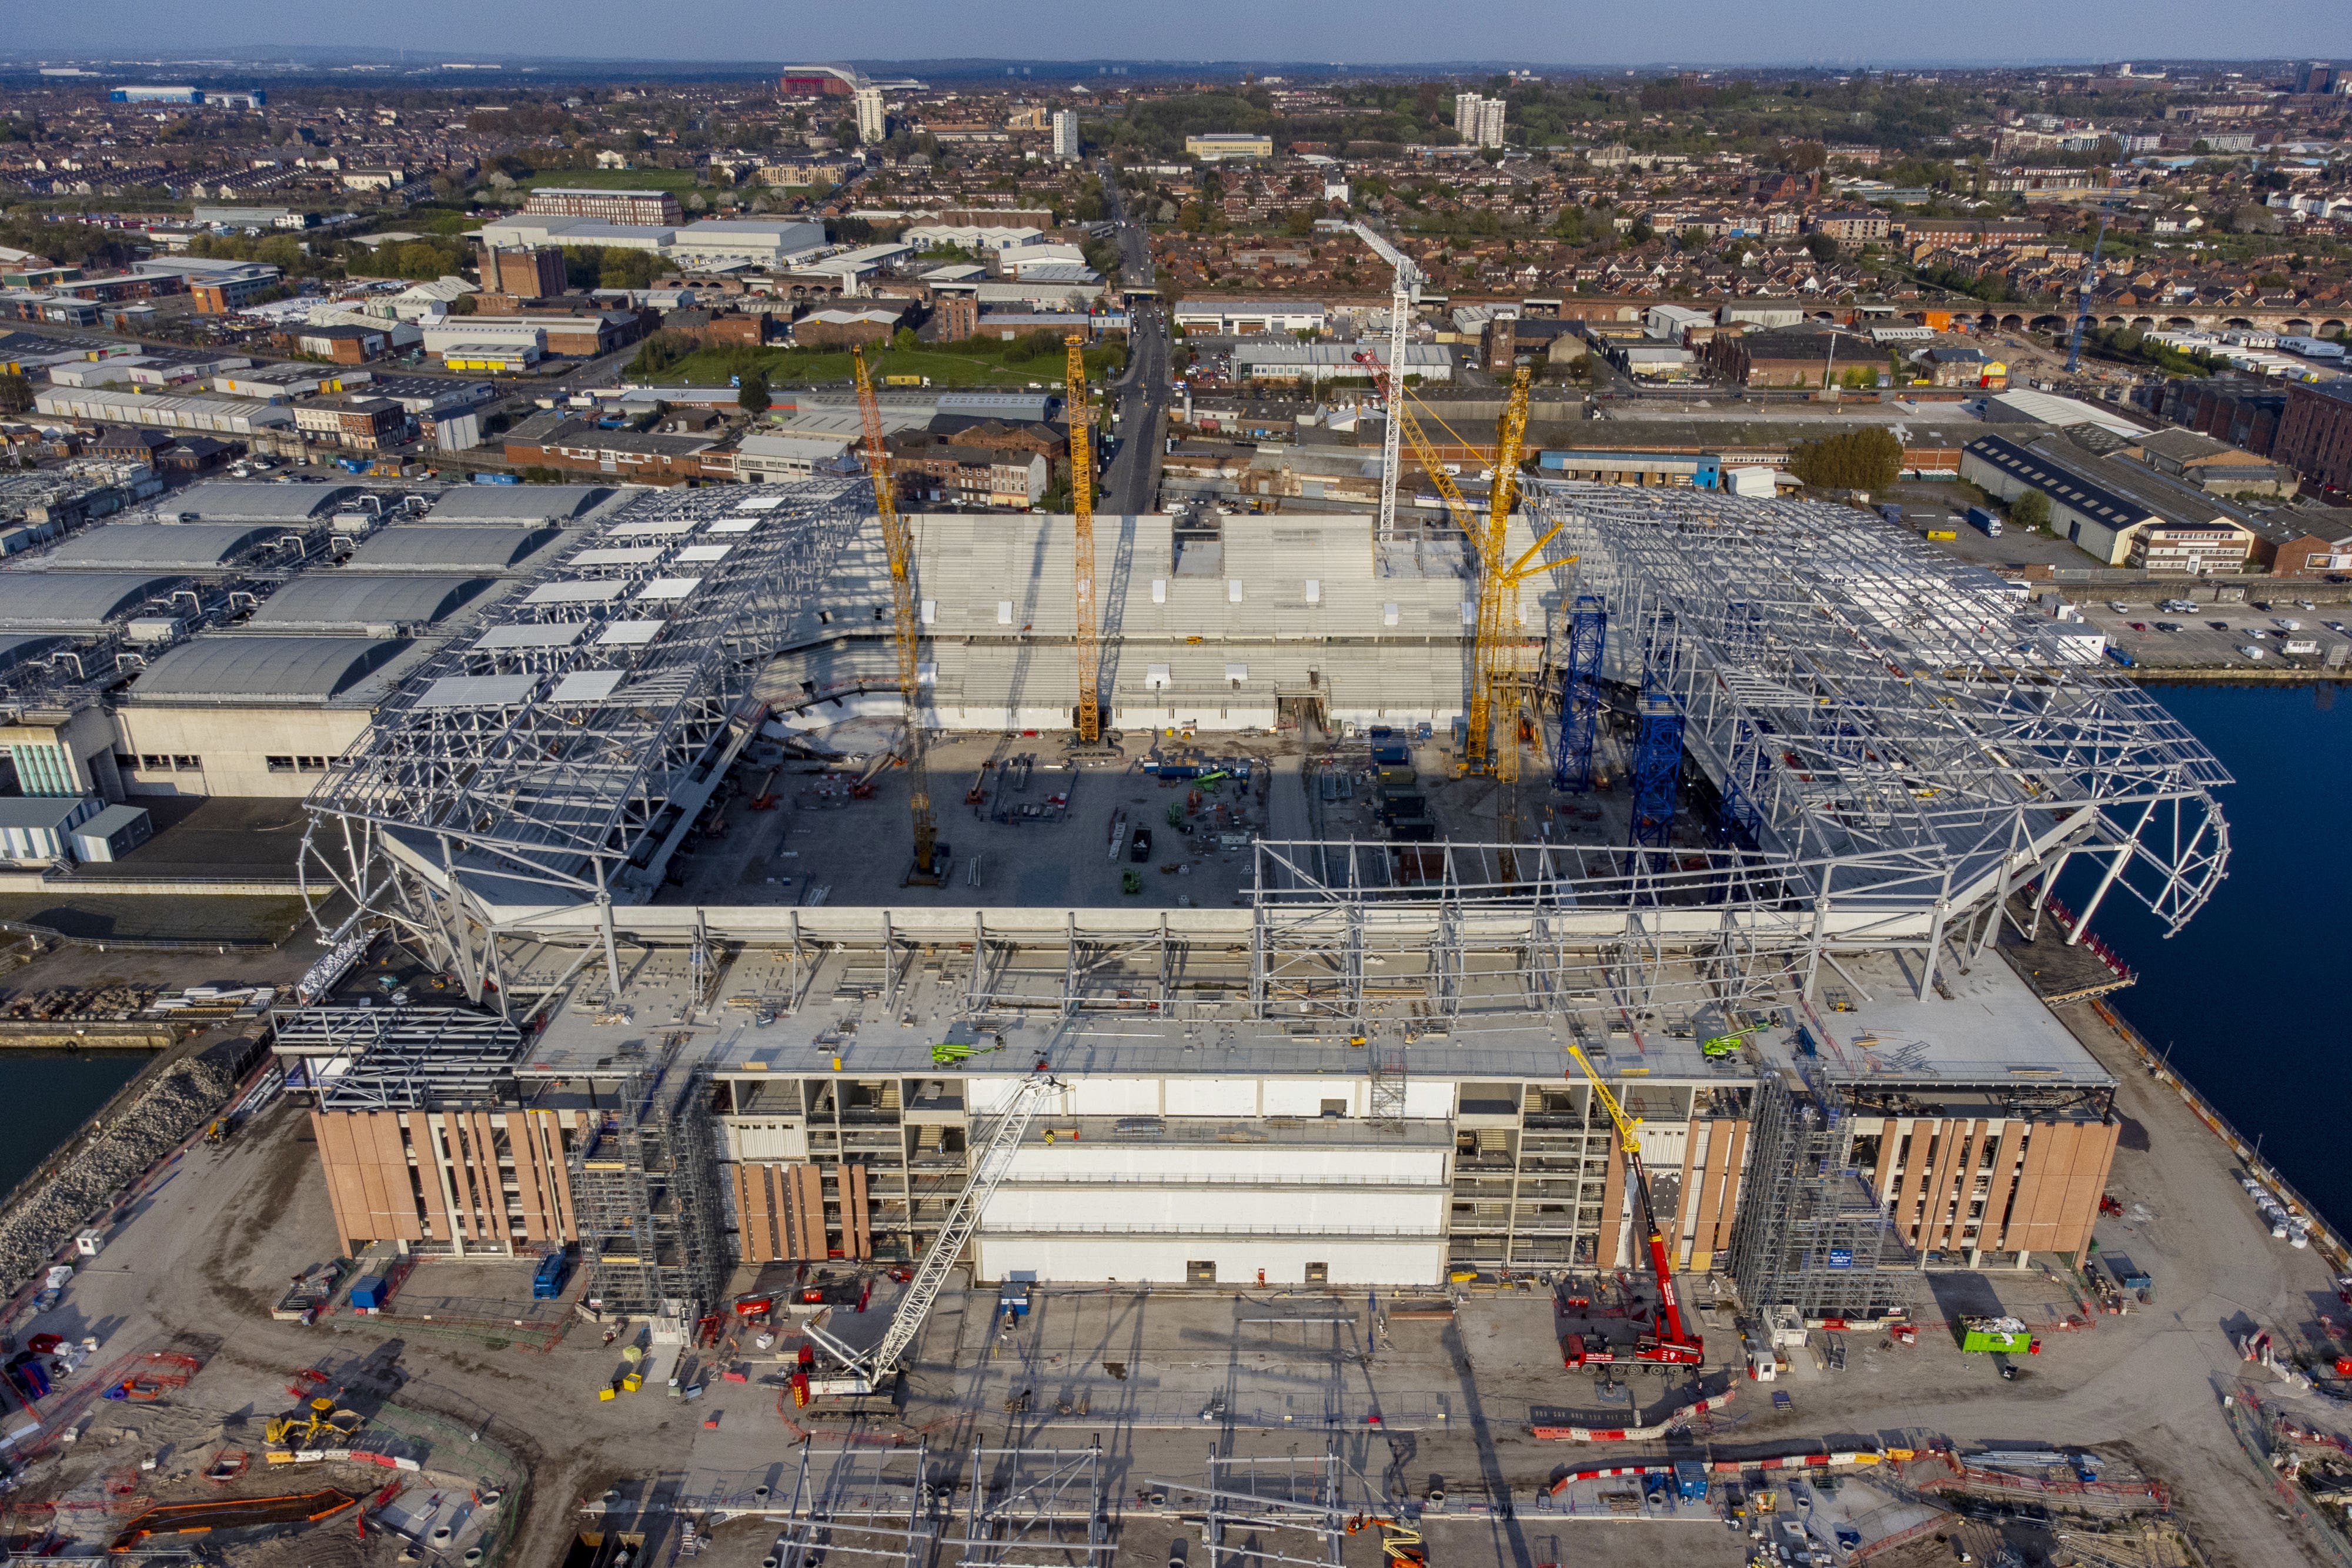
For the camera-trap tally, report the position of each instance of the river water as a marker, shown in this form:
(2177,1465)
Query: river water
(51,1095)
(2249,997)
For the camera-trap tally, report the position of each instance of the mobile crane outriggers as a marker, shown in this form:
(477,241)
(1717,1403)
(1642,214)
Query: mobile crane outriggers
(1666,1343)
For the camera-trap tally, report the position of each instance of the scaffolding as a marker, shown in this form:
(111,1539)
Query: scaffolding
(642,1186)
(1811,1235)
(1579,694)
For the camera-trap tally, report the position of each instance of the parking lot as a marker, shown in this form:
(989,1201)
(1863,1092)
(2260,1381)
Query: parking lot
(2257,635)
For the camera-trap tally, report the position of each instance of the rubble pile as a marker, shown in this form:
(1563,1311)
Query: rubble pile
(173,1104)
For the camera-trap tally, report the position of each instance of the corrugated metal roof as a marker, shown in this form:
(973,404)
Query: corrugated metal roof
(190,545)
(83,600)
(349,600)
(519,503)
(417,547)
(225,501)
(266,668)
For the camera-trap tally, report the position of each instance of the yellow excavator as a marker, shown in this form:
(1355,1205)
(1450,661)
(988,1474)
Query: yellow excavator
(309,1426)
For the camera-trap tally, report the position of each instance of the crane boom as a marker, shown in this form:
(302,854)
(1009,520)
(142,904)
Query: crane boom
(2082,297)
(899,544)
(1498,591)
(870,1371)
(1080,412)
(1671,1342)
(1404,292)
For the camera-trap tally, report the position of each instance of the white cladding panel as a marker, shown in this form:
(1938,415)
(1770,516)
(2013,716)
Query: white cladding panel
(1237,1259)
(762,1138)
(1142,1207)
(1114,1097)
(1213,1097)
(1425,1099)
(1305,1096)
(1429,1099)
(1144,1162)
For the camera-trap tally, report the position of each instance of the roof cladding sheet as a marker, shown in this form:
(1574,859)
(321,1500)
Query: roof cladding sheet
(136,545)
(519,503)
(338,599)
(417,547)
(231,667)
(84,600)
(227,502)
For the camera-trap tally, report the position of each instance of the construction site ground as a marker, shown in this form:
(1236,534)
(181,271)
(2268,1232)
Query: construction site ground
(1155,1378)
(1016,846)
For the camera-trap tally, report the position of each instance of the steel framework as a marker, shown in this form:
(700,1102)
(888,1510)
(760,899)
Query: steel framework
(557,756)
(870,1506)
(1033,1508)
(1864,695)
(1270,1511)
(1579,694)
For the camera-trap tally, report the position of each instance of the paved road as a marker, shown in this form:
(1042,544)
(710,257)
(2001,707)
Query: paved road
(1142,392)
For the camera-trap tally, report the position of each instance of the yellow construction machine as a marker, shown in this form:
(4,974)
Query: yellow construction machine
(311,1426)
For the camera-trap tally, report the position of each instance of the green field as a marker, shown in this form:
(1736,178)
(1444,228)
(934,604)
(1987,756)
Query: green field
(679,180)
(812,367)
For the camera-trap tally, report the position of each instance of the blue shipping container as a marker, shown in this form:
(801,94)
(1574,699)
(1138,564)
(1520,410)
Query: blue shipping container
(369,1292)
(1690,1479)
(547,1282)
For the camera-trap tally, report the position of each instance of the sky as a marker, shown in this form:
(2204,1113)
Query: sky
(1361,32)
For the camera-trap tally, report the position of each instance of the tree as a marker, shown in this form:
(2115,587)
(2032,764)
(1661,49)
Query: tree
(903,339)
(751,392)
(1823,248)
(2030,510)
(1868,459)
(15,394)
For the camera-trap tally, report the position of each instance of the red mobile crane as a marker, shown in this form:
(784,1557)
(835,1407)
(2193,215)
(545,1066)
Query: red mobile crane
(1666,1343)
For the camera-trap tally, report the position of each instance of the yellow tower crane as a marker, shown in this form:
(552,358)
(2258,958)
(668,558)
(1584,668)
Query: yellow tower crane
(1080,412)
(930,864)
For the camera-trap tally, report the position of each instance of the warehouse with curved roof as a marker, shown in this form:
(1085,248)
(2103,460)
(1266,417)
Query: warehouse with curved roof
(228,502)
(191,546)
(352,599)
(251,714)
(243,669)
(78,601)
(417,546)
(520,503)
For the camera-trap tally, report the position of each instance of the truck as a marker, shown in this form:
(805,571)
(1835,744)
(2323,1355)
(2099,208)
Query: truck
(547,1280)
(1979,517)
(1997,1336)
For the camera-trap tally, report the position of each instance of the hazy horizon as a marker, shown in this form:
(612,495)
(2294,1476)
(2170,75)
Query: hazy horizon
(1375,34)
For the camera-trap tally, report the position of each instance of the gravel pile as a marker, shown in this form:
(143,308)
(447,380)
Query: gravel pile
(174,1104)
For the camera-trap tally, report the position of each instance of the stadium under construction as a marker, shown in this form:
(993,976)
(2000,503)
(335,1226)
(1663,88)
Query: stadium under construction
(1763,782)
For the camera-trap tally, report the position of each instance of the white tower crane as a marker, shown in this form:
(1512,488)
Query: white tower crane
(1404,295)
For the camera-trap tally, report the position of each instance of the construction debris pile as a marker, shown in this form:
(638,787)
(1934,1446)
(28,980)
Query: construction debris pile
(178,1103)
